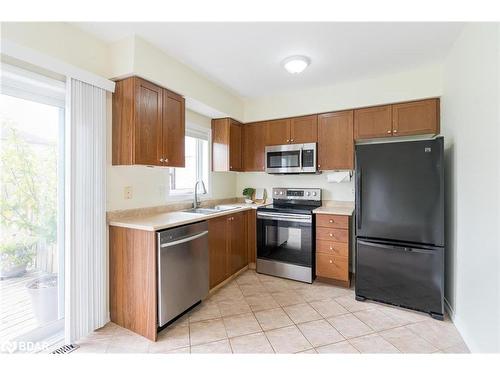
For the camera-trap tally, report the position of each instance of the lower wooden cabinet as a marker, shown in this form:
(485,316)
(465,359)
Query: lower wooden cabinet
(332,248)
(227,244)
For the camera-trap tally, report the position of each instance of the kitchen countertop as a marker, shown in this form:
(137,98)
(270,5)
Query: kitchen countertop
(336,208)
(172,219)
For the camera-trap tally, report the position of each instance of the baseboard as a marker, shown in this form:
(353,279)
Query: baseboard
(225,282)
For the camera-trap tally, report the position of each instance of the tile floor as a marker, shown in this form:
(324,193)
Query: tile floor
(262,314)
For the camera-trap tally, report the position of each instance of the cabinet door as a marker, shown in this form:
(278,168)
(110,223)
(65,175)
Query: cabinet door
(421,117)
(220,144)
(148,123)
(278,132)
(335,141)
(252,235)
(173,129)
(254,143)
(304,129)
(373,122)
(235,159)
(218,249)
(238,246)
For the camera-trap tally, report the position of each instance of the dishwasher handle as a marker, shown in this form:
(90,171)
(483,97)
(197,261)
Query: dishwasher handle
(187,239)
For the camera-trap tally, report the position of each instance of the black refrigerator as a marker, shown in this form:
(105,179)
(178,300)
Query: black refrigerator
(400,224)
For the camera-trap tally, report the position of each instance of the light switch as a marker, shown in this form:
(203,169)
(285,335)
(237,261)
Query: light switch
(127,192)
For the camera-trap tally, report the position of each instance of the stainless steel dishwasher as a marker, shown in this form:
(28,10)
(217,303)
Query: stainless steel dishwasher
(182,269)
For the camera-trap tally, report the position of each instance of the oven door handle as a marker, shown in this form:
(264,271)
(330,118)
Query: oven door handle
(285,217)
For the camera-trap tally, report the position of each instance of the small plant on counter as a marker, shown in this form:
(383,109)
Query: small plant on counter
(248,193)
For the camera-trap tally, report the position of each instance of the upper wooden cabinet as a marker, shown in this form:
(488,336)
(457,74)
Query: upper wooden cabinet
(420,117)
(226,145)
(335,141)
(304,129)
(254,143)
(148,124)
(278,132)
(373,122)
(292,130)
(411,118)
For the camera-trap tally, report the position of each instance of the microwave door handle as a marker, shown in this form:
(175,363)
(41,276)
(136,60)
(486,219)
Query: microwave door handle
(301,155)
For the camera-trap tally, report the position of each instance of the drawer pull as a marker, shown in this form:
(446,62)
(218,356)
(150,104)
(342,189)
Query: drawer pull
(331,261)
(331,234)
(331,220)
(331,247)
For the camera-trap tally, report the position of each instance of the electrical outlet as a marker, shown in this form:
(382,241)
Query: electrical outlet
(127,192)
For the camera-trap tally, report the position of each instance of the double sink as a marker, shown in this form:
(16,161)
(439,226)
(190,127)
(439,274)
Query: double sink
(212,209)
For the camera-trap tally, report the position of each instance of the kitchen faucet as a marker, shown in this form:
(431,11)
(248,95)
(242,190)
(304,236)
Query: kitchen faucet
(196,202)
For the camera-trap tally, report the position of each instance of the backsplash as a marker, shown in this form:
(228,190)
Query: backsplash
(343,191)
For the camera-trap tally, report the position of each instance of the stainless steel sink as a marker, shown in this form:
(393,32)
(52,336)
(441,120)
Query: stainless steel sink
(210,210)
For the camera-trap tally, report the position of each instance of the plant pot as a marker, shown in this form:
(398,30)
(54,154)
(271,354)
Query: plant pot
(43,294)
(13,271)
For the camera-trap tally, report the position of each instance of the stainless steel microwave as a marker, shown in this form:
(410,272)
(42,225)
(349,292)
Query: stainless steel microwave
(296,158)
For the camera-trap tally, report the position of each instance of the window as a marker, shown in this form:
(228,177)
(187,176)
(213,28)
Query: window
(182,180)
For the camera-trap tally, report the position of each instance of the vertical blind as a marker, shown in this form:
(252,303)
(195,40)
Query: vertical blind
(86,260)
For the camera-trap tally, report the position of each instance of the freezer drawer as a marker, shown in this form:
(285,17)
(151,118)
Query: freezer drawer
(404,276)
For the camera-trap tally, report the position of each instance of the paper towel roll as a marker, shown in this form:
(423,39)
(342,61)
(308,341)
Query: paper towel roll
(341,176)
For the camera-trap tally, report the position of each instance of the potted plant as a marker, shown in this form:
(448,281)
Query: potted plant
(43,295)
(15,256)
(248,193)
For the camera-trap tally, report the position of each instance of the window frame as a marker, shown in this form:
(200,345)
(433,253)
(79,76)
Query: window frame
(200,133)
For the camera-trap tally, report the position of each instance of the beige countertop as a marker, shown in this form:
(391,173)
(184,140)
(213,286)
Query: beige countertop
(171,219)
(336,208)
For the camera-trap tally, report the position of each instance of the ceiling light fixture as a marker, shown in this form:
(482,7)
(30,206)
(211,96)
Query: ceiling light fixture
(296,64)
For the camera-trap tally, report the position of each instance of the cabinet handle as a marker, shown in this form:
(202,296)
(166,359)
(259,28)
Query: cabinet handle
(331,261)
(319,165)
(287,141)
(166,160)
(389,132)
(291,140)
(161,160)
(230,167)
(331,220)
(331,247)
(331,234)
(395,131)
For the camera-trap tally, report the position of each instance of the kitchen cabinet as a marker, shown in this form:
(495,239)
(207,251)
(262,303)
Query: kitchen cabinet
(278,132)
(132,280)
(335,141)
(252,235)
(238,245)
(418,117)
(332,248)
(226,145)
(292,130)
(148,124)
(254,144)
(304,129)
(227,246)
(373,122)
(401,119)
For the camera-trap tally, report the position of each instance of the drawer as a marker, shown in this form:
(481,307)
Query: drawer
(332,234)
(332,267)
(332,221)
(340,249)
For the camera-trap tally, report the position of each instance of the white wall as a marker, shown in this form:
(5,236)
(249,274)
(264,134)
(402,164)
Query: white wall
(418,83)
(343,191)
(470,124)
(149,185)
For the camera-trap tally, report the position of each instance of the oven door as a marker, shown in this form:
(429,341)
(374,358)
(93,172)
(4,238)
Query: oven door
(285,237)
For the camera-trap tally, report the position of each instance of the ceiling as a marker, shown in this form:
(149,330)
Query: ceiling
(245,58)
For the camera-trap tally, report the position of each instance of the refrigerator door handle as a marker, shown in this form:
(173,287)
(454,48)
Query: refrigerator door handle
(358,198)
(395,247)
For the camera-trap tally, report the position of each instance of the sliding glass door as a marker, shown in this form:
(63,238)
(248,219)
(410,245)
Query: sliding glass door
(31,210)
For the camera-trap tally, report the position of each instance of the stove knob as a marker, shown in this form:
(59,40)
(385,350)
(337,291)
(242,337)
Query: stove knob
(281,193)
(314,194)
(307,193)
